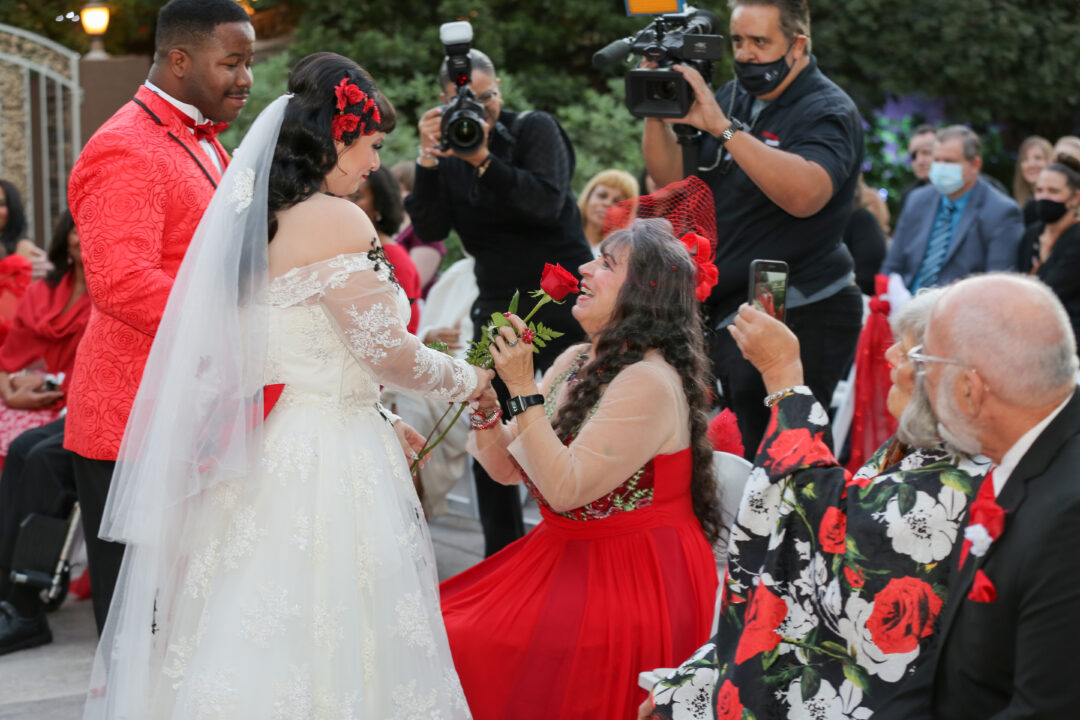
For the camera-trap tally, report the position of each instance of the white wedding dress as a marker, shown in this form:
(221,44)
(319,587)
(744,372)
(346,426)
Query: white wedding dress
(309,591)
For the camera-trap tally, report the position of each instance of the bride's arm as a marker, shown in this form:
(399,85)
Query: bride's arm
(361,300)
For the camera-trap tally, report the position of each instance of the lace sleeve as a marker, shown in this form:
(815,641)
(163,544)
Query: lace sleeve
(360,296)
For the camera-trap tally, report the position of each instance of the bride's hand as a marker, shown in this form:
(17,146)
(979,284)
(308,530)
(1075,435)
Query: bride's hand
(411,441)
(483,382)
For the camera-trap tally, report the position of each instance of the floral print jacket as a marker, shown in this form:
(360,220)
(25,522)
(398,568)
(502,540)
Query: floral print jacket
(834,583)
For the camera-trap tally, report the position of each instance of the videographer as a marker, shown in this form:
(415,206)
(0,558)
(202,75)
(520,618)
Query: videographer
(510,202)
(783,175)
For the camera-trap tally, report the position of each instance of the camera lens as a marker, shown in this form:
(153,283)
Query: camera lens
(665,91)
(465,133)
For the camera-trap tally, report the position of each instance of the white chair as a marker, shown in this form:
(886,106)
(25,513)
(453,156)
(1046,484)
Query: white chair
(731,474)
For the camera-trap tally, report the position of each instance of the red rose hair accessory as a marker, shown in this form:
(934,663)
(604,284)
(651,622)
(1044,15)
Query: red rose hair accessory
(688,206)
(366,117)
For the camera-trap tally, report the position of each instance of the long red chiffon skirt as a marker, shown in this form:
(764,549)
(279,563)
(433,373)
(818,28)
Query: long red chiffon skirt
(560,623)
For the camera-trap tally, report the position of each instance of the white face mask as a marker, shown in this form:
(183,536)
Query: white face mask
(947,177)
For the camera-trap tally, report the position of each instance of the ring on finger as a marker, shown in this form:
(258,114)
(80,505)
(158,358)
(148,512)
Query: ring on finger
(512,343)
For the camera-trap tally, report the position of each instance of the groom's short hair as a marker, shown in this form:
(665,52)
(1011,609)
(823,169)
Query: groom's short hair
(189,22)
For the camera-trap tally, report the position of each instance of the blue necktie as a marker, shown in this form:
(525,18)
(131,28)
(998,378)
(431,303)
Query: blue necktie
(937,248)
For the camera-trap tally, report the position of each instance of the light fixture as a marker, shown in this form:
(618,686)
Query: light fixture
(95,21)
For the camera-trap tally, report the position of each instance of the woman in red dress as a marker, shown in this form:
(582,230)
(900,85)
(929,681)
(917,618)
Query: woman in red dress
(40,346)
(620,575)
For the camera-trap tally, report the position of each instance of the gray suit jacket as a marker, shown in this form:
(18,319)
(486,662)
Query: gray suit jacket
(987,237)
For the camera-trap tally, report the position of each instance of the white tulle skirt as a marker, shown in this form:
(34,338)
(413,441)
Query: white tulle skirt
(308,593)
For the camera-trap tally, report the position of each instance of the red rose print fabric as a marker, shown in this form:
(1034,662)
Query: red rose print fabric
(834,583)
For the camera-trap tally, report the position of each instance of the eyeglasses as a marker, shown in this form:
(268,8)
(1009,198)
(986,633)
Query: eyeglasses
(915,355)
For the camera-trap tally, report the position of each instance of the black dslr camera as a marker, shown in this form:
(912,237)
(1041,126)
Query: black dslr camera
(682,38)
(461,127)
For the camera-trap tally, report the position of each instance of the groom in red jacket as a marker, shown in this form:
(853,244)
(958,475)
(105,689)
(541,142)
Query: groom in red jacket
(137,193)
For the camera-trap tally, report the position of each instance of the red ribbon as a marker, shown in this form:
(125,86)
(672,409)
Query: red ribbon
(701,252)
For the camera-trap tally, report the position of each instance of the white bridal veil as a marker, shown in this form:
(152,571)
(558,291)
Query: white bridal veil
(196,421)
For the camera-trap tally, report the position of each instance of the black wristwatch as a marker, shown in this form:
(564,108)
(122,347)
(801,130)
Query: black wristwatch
(735,126)
(520,403)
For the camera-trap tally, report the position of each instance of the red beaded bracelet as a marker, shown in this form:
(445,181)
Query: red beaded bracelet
(488,422)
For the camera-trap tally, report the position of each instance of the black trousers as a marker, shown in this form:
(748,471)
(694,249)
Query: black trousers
(92,478)
(37,478)
(500,505)
(828,331)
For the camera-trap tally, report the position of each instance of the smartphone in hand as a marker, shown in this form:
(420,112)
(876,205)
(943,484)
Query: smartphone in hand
(768,287)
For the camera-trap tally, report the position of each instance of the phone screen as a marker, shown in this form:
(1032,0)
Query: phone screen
(768,287)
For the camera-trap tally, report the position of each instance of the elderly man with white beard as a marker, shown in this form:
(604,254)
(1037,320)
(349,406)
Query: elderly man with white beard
(999,362)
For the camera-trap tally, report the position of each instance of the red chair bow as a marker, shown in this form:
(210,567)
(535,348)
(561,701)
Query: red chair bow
(702,254)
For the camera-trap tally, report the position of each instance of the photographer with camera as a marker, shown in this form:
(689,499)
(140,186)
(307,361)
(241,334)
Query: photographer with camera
(781,150)
(501,179)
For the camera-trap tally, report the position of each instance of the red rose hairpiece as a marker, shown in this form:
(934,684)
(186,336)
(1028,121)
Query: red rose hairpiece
(366,117)
(701,253)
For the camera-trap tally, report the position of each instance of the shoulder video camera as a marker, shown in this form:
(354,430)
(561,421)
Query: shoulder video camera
(684,38)
(461,128)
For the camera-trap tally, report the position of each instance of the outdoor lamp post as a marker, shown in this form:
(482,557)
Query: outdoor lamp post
(95,21)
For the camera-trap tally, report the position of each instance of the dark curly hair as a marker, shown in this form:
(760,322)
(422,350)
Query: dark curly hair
(655,309)
(305,147)
(58,249)
(386,196)
(14,229)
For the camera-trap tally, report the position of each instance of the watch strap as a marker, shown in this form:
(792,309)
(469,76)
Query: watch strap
(520,403)
(729,132)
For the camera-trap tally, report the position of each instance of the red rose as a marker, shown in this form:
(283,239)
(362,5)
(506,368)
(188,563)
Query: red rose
(347,94)
(795,448)
(854,576)
(728,706)
(763,617)
(343,124)
(557,281)
(833,531)
(988,514)
(904,611)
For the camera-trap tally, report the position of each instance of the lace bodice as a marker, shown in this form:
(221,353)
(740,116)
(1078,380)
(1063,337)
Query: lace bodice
(337,332)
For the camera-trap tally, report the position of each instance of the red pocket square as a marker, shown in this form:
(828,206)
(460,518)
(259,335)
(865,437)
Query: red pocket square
(982,590)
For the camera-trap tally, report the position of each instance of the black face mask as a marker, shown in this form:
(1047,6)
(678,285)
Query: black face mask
(1050,211)
(762,78)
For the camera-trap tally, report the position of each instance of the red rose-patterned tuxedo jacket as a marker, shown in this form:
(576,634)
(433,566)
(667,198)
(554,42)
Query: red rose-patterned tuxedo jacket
(137,192)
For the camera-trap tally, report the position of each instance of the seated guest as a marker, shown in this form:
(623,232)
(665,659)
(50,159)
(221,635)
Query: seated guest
(1034,154)
(834,581)
(48,325)
(380,199)
(1050,249)
(13,240)
(959,224)
(604,189)
(38,477)
(619,576)
(999,362)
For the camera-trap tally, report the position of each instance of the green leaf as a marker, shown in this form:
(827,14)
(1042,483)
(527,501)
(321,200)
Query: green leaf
(957,480)
(537,293)
(857,676)
(809,491)
(514,302)
(834,646)
(439,346)
(768,658)
(811,683)
(499,320)
(537,342)
(906,497)
(747,715)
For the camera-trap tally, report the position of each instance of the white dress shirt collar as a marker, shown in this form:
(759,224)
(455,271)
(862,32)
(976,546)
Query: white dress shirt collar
(1012,457)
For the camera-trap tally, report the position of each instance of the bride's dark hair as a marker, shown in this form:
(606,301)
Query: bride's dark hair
(655,309)
(305,146)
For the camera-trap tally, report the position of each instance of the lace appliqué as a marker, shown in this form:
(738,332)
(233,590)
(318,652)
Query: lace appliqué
(302,283)
(266,617)
(326,626)
(410,704)
(635,493)
(372,337)
(464,382)
(290,458)
(201,569)
(212,695)
(243,190)
(243,537)
(177,657)
(412,623)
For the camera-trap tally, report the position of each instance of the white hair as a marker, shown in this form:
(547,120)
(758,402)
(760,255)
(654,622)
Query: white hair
(917,426)
(1016,333)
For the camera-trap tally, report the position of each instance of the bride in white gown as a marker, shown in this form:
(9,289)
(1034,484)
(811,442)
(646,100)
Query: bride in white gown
(281,569)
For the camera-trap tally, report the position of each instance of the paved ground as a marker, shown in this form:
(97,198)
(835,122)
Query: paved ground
(49,682)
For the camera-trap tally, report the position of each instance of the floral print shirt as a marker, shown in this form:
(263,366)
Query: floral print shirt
(834,582)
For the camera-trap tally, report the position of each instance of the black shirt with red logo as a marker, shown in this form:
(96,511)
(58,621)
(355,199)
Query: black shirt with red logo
(817,120)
